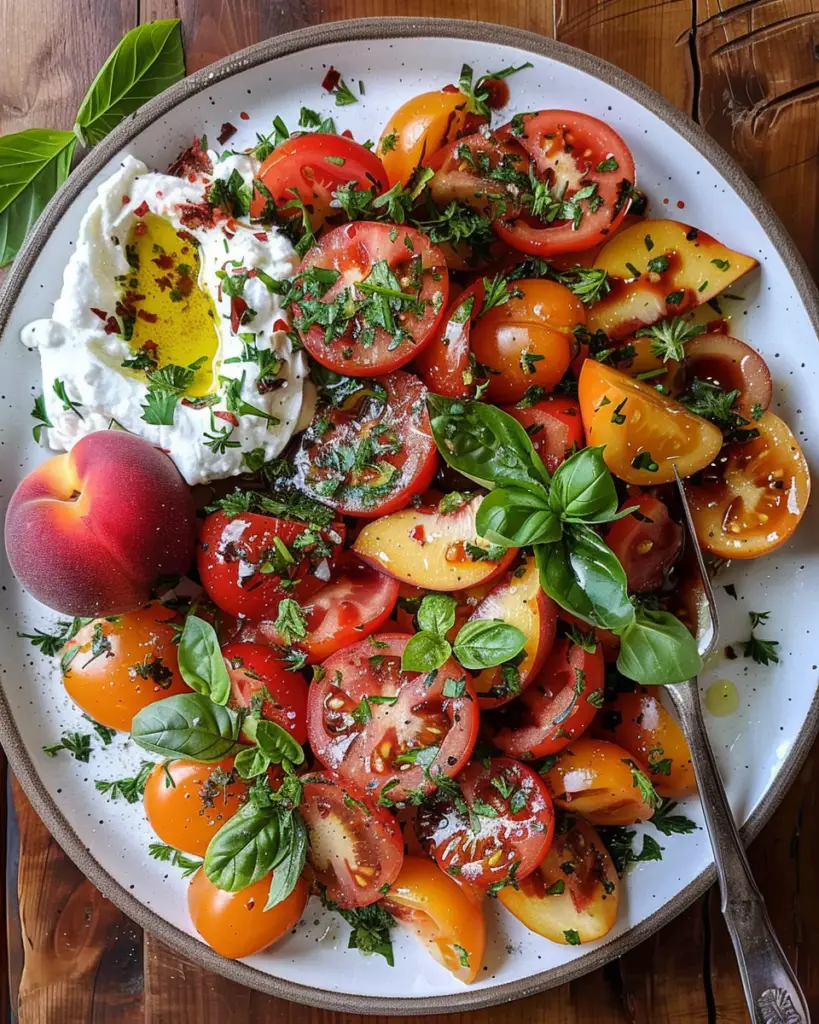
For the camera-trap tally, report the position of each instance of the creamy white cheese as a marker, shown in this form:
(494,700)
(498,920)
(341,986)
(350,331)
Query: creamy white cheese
(75,349)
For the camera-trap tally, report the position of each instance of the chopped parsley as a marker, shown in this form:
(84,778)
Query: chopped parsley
(668,337)
(763,652)
(129,789)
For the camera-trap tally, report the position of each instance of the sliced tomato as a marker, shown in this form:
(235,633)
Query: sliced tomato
(399,283)
(391,732)
(609,642)
(558,706)
(313,167)
(368,455)
(419,128)
(554,425)
(754,496)
(572,154)
(353,846)
(732,365)
(356,602)
(257,675)
(497,832)
(244,568)
(483,171)
(647,543)
(445,365)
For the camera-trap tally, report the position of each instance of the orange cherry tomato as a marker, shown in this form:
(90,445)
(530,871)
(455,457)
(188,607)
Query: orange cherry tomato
(446,919)
(553,425)
(640,723)
(602,781)
(528,339)
(189,811)
(754,496)
(418,129)
(235,924)
(645,433)
(115,667)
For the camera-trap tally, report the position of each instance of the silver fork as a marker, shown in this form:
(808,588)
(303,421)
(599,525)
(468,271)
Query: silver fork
(771,989)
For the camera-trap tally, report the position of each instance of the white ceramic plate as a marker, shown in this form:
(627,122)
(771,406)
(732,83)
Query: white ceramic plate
(759,747)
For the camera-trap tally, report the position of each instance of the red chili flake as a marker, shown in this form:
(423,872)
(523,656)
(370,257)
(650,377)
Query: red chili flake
(680,204)
(665,202)
(149,318)
(281,325)
(251,273)
(129,298)
(331,79)
(238,307)
(194,215)
(450,88)
(418,533)
(227,131)
(167,451)
(192,159)
(99,312)
(192,176)
(244,116)
(163,283)
(347,133)
(141,210)
(185,285)
(141,228)
(150,347)
(228,234)
(158,194)
(229,417)
(261,235)
(126,200)
(112,325)
(164,262)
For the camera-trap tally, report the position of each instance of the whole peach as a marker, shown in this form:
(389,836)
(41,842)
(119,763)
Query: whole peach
(89,532)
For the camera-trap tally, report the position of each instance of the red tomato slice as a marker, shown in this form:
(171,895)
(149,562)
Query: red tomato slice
(558,706)
(554,426)
(572,153)
(356,602)
(647,543)
(354,846)
(499,832)
(379,263)
(314,166)
(444,364)
(256,669)
(476,170)
(405,734)
(242,567)
(368,456)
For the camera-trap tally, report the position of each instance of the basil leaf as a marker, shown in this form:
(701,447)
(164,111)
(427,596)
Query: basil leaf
(436,614)
(485,643)
(250,762)
(425,652)
(517,517)
(583,489)
(246,847)
(287,874)
(201,664)
(187,725)
(600,576)
(657,649)
(33,165)
(558,580)
(484,443)
(147,61)
(277,743)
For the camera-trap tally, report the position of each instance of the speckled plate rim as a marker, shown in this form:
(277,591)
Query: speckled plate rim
(261,53)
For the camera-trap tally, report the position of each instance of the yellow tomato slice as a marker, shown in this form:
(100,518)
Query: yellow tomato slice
(419,128)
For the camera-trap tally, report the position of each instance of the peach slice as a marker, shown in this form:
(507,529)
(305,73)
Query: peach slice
(698,268)
(520,601)
(431,549)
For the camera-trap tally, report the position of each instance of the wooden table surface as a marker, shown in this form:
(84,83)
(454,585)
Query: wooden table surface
(745,69)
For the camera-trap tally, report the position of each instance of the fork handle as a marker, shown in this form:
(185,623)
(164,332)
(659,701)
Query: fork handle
(771,989)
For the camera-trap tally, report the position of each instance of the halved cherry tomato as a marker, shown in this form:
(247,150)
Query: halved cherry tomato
(529,339)
(354,846)
(449,922)
(368,456)
(559,705)
(573,155)
(399,270)
(243,560)
(236,924)
(115,667)
(186,802)
(518,600)
(254,670)
(731,365)
(754,496)
(314,166)
(647,543)
(640,724)
(445,365)
(603,782)
(575,889)
(645,433)
(483,171)
(389,731)
(419,128)
(356,602)
(498,833)
(554,426)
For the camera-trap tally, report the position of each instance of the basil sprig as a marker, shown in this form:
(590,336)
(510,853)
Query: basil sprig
(188,725)
(557,516)
(201,663)
(483,643)
(272,744)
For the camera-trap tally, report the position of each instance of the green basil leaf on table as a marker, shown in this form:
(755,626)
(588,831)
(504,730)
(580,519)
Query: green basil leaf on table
(516,517)
(425,652)
(486,643)
(33,165)
(583,489)
(277,743)
(147,61)
(436,613)
(250,762)
(287,874)
(248,846)
(188,725)
(484,443)
(657,649)
(201,663)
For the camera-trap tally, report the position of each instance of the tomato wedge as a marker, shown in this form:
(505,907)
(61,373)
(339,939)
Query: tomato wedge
(497,832)
(354,846)
(445,365)
(390,732)
(256,669)
(367,453)
(554,426)
(419,128)
(647,543)
(483,171)
(369,296)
